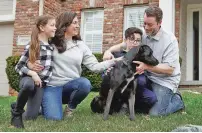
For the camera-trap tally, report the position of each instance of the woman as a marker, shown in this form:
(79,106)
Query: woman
(32,83)
(66,86)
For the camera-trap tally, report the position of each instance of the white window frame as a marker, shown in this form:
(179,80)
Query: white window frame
(9,17)
(190,9)
(82,25)
(128,10)
(168,8)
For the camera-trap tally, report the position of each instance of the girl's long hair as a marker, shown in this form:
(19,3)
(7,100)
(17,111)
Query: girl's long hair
(34,50)
(62,22)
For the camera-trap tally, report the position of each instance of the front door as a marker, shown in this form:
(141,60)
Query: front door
(194,42)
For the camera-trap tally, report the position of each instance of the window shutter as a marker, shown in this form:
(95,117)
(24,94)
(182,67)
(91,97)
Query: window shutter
(93,30)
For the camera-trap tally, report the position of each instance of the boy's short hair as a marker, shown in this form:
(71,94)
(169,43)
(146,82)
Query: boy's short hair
(130,31)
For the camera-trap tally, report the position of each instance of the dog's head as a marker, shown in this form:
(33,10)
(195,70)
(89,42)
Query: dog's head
(98,104)
(145,54)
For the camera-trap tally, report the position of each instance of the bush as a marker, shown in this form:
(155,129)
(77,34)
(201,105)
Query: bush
(180,60)
(95,78)
(14,77)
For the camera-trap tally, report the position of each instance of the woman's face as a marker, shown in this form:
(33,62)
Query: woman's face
(73,29)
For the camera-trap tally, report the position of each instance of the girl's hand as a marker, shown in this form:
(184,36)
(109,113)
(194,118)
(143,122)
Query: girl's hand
(37,80)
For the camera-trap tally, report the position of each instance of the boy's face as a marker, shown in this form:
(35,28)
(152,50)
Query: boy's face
(133,41)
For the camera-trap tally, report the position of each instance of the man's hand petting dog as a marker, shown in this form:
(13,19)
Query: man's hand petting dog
(141,67)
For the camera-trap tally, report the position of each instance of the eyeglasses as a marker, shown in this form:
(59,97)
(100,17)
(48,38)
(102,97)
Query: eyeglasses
(134,41)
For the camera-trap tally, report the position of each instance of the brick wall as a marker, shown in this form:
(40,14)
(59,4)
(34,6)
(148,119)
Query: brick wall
(177,18)
(26,13)
(52,7)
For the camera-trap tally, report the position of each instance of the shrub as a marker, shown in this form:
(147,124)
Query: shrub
(14,77)
(180,60)
(95,78)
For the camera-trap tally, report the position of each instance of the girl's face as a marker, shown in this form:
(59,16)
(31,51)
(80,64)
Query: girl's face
(133,41)
(49,29)
(73,29)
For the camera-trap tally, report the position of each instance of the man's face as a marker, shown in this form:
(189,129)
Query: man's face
(133,41)
(151,26)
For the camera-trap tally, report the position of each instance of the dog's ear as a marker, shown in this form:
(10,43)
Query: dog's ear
(131,54)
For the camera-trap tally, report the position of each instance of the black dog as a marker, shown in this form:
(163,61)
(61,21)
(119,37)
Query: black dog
(119,85)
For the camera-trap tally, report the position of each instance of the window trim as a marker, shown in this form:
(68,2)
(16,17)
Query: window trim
(126,10)
(9,17)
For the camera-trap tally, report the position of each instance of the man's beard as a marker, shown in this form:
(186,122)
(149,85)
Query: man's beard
(153,33)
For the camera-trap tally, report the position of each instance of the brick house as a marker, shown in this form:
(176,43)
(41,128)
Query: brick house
(102,25)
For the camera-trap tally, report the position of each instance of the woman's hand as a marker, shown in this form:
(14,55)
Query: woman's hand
(108,55)
(37,67)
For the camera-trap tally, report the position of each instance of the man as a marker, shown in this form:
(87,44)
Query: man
(164,77)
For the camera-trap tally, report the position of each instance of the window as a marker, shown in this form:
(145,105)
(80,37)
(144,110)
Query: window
(134,17)
(92,29)
(7,10)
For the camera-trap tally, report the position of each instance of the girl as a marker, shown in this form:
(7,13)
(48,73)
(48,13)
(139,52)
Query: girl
(31,83)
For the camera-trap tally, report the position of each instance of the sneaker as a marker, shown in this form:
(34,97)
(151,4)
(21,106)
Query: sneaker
(68,112)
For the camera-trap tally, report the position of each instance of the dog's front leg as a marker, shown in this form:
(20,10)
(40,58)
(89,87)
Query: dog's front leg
(131,100)
(108,103)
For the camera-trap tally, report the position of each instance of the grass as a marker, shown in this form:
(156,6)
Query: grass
(84,120)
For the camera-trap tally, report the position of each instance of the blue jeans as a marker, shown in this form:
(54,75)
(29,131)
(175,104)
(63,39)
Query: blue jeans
(168,102)
(145,97)
(72,93)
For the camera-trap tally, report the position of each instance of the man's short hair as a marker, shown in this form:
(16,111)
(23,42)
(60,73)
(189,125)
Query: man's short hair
(130,32)
(154,11)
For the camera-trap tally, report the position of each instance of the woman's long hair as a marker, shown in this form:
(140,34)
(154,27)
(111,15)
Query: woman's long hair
(63,21)
(34,50)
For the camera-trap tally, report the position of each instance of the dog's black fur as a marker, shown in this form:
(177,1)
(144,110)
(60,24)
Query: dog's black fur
(119,85)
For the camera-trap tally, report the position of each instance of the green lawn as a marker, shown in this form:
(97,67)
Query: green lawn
(84,120)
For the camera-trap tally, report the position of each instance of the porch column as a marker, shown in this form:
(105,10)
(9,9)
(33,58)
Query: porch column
(168,7)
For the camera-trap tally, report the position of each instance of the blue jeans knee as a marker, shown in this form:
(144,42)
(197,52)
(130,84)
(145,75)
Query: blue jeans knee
(168,102)
(75,91)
